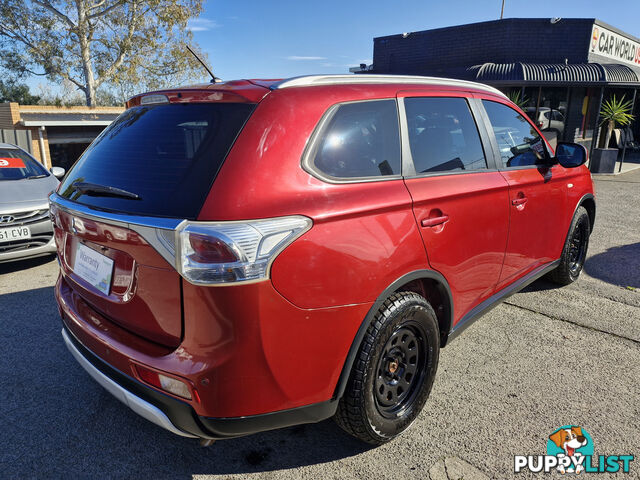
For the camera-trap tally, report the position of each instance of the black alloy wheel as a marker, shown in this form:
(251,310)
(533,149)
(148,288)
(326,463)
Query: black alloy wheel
(578,246)
(574,252)
(400,370)
(393,371)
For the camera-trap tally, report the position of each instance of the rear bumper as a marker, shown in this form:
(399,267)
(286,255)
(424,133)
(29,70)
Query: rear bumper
(179,417)
(97,370)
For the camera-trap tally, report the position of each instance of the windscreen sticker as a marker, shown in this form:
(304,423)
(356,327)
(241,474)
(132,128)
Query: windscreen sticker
(8,162)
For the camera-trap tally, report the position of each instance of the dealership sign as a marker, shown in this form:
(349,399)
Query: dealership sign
(614,46)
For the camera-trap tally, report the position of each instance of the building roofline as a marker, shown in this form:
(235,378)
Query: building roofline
(505,20)
(616,30)
(52,109)
(64,123)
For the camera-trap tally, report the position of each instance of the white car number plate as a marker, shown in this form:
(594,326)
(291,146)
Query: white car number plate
(14,233)
(94,268)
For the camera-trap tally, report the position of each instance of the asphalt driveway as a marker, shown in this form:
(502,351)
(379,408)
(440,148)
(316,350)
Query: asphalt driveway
(547,357)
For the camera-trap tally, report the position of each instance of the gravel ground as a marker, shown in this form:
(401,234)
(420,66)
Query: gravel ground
(547,357)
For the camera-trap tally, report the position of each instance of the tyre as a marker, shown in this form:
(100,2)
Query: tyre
(574,252)
(393,372)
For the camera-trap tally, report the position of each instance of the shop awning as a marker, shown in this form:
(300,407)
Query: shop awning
(554,74)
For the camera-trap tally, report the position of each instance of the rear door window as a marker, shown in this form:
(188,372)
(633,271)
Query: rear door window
(443,135)
(358,140)
(167,155)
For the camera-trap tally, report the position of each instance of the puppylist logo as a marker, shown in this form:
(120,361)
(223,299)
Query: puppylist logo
(570,450)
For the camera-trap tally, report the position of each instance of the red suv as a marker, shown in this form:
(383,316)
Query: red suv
(248,255)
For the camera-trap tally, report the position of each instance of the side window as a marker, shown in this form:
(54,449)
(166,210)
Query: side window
(360,139)
(518,141)
(443,135)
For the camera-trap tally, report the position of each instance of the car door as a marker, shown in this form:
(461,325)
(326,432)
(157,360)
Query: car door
(460,200)
(537,192)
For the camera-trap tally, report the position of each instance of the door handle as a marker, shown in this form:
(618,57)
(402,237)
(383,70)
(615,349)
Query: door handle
(519,201)
(432,222)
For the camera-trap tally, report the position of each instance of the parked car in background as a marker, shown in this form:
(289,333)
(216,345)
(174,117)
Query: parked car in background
(547,119)
(25,226)
(242,256)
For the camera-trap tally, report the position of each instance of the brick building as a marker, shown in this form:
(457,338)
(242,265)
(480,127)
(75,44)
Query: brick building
(56,136)
(563,68)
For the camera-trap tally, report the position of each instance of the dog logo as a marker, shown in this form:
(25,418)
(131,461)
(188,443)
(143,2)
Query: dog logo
(572,443)
(570,451)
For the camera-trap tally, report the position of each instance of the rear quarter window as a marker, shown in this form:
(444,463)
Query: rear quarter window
(359,140)
(168,155)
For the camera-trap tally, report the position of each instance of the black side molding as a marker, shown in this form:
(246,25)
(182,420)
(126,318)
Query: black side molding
(482,308)
(240,426)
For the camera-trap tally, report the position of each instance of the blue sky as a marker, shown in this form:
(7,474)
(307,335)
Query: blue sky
(275,39)
(253,39)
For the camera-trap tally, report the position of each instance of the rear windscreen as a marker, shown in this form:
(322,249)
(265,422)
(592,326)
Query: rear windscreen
(165,155)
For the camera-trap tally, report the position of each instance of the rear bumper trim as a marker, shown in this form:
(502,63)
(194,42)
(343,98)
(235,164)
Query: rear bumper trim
(179,417)
(139,406)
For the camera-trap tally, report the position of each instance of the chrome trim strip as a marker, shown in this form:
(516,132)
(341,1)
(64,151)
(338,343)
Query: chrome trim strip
(147,227)
(314,80)
(139,406)
(120,219)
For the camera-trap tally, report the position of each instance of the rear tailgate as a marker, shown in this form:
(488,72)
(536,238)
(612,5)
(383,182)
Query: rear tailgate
(140,290)
(155,164)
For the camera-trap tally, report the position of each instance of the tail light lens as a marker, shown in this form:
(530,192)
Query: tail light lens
(213,253)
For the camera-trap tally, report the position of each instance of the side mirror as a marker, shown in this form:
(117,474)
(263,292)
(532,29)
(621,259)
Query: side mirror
(571,155)
(58,172)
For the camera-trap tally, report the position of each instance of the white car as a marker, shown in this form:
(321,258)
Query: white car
(25,185)
(547,119)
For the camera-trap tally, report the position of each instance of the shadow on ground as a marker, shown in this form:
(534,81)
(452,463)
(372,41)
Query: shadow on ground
(541,285)
(16,265)
(57,420)
(618,266)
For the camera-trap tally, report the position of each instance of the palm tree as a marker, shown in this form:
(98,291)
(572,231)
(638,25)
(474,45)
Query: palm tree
(615,112)
(518,98)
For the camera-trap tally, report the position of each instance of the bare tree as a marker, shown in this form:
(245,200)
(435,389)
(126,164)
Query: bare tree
(116,44)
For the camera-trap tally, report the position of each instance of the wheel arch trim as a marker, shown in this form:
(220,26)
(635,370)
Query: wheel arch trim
(590,198)
(368,319)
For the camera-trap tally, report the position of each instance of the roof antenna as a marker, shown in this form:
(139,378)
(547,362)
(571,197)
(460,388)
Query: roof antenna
(213,77)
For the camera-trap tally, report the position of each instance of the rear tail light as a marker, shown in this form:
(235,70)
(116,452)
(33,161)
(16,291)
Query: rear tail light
(213,253)
(164,382)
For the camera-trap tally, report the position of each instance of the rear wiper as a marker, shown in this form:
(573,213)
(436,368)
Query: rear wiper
(97,190)
(37,176)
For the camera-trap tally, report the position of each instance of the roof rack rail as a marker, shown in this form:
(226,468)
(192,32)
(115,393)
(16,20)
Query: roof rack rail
(339,79)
